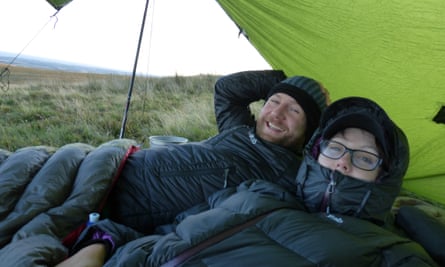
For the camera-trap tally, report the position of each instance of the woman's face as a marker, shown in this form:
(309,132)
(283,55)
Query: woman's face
(355,139)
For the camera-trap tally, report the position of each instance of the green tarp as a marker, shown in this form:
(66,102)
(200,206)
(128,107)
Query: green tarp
(390,51)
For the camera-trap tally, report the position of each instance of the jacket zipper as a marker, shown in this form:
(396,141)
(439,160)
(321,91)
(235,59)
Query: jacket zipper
(327,194)
(326,203)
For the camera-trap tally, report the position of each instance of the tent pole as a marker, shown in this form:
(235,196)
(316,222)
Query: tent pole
(133,76)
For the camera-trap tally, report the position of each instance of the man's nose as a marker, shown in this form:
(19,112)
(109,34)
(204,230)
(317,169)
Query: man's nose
(278,111)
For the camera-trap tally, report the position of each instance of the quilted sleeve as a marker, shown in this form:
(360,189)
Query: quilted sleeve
(425,226)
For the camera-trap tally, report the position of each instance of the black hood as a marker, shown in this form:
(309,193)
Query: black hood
(321,189)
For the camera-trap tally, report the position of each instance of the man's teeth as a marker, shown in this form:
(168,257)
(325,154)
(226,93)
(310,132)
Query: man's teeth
(274,127)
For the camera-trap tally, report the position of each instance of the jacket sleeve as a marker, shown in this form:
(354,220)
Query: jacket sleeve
(235,92)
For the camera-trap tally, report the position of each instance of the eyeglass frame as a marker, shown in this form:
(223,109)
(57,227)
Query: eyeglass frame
(351,152)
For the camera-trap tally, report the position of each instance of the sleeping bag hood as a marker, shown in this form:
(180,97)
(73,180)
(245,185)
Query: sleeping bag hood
(325,190)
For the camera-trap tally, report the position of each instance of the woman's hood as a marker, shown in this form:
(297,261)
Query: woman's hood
(325,190)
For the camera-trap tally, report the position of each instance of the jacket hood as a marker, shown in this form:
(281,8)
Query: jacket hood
(325,190)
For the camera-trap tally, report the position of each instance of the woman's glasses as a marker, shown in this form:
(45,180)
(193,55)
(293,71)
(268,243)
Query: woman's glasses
(361,159)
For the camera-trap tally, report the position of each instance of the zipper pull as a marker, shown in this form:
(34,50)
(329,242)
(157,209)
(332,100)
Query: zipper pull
(331,186)
(252,138)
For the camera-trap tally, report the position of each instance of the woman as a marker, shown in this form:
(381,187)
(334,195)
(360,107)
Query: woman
(362,192)
(351,173)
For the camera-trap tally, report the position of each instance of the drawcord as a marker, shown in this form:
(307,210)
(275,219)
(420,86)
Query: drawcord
(301,181)
(363,203)
(226,176)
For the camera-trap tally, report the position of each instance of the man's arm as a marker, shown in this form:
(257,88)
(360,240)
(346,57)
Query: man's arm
(235,92)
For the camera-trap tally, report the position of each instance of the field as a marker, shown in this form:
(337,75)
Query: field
(52,108)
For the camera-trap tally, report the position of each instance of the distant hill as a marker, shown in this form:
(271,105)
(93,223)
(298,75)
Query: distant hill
(42,63)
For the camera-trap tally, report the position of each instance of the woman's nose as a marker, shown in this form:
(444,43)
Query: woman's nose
(344,164)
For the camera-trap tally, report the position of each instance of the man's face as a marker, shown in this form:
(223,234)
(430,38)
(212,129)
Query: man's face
(282,121)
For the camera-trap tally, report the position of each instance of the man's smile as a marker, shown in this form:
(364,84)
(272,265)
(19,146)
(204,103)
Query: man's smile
(274,127)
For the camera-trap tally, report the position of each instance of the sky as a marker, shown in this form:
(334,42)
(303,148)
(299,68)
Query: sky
(181,37)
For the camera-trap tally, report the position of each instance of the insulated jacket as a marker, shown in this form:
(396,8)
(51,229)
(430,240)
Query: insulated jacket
(158,183)
(287,236)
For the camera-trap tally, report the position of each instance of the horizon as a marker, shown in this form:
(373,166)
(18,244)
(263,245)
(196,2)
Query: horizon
(36,62)
(30,61)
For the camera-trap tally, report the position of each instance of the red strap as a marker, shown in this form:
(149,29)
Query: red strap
(130,151)
(213,240)
(71,238)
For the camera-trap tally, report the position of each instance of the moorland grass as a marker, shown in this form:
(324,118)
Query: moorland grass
(55,108)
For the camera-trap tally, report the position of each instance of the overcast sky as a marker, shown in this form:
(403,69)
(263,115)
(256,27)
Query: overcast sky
(183,37)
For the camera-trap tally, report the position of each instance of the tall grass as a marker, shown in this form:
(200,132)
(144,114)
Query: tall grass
(51,108)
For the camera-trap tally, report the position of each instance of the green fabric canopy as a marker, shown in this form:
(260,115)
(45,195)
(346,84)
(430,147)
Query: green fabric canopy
(390,51)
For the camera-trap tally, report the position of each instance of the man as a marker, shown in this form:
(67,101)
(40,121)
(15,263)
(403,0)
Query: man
(158,183)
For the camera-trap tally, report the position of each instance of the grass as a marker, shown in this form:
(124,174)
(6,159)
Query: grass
(52,108)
